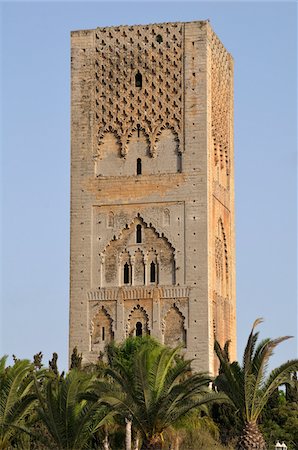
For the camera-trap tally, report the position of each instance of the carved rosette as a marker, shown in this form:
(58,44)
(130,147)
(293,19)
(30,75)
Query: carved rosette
(121,106)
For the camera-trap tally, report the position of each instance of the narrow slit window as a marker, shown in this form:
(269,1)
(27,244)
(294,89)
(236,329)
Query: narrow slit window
(139,234)
(139,329)
(138,80)
(111,219)
(103,333)
(152,273)
(139,166)
(126,274)
(179,162)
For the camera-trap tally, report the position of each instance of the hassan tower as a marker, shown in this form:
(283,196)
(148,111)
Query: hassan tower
(152,189)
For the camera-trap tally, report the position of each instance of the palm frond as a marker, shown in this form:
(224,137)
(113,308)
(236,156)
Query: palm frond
(249,349)
(277,377)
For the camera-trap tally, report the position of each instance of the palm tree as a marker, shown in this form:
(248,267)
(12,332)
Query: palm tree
(70,420)
(16,399)
(248,387)
(155,391)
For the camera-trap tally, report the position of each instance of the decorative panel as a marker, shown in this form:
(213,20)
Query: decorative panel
(138,80)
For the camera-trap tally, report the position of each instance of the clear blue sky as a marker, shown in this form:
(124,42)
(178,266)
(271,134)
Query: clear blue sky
(35,133)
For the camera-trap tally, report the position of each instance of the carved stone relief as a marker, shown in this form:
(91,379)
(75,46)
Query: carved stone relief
(221,97)
(138,82)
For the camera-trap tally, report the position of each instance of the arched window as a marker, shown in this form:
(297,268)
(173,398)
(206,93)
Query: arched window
(138,80)
(139,234)
(126,273)
(159,38)
(139,329)
(152,273)
(139,166)
(103,333)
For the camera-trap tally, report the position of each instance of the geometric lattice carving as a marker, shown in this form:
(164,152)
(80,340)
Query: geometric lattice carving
(138,82)
(221,258)
(221,100)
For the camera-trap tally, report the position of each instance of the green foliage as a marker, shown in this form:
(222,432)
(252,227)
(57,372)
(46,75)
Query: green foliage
(16,399)
(126,352)
(53,367)
(292,388)
(248,386)
(154,386)
(37,360)
(69,419)
(195,439)
(280,421)
(76,360)
(229,422)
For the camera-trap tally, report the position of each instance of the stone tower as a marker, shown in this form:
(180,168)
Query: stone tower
(152,189)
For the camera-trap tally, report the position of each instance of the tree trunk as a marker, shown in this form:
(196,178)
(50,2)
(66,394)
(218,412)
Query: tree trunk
(136,443)
(177,443)
(128,434)
(251,438)
(106,445)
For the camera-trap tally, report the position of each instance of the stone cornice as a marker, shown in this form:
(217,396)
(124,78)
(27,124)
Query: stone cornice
(137,293)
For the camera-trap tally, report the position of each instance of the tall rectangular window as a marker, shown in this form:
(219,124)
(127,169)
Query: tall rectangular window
(126,274)
(139,166)
(139,234)
(152,272)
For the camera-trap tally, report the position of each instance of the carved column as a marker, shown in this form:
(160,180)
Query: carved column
(147,277)
(101,268)
(132,265)
(120,271)
(119,322)
(156,329)
(157,275)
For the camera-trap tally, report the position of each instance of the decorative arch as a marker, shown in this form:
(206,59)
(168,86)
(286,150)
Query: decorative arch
(138,315)
(152,262)
(167,126)
(125,137)
(156,248)
(125,268)
(159,233)
(107,159)
(101,135)
(101,328)
(166,147)
(174,327)
(145,224)
(136,130)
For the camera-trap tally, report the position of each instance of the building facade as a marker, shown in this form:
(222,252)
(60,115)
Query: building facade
(152,189)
